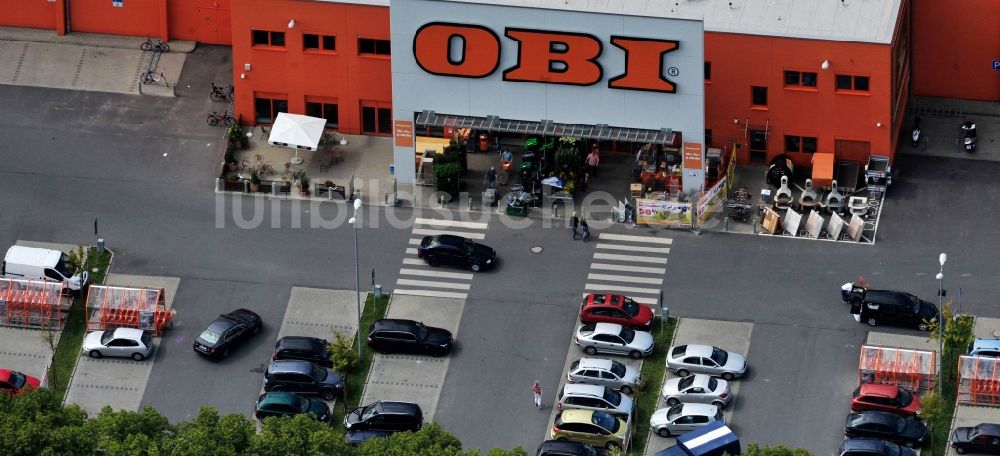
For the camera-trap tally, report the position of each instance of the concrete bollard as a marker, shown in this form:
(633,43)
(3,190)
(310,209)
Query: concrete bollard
(220,184)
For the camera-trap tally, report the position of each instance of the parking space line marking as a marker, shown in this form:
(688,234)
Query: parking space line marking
(634,248)
(600,287)
(415,261)
(626,237)
(442,275)
(621,278)
(456,233)
(624,268)
(433,284)
(432,294)
(411,251)
(638,259)
(415,241)
(452,223)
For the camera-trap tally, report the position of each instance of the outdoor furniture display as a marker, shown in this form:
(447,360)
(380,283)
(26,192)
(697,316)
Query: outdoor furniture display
(518,201)
(740,205)
(32,304)
(912,370)
(878,173)
(298,132)
(783,197)
(858,205)
(822,169)
(979,381)
(114,307)
(847,176)
(834,201)
(809,198)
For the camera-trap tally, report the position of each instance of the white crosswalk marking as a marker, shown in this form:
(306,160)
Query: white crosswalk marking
(418,278)
(602,287)
(627,268)
(625,264)
(622,278)
(634,248)
(638,259)
(629,238)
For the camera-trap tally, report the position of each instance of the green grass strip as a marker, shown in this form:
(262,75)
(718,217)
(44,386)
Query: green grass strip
(648,392)
(64,359)
(940,426)
(355,380)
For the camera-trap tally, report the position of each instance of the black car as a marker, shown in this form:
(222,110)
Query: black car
(884,425)
(893,308)
(984,438)
(391,335)
(566,448)
(388,416)
(456,251)
(227,332)
(290,404)
(873,447)
(359,437)
(310,349)
(303,377)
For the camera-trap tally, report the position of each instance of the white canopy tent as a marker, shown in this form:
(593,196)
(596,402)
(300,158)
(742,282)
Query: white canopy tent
(297,131)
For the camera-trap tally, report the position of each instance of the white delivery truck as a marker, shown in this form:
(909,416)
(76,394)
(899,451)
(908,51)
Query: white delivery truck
(41,264)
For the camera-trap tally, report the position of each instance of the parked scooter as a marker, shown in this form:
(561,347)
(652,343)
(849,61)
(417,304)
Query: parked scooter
(969,134)
(916,131)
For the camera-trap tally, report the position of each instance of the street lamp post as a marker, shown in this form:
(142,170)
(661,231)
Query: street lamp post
(940,277)
(357,271)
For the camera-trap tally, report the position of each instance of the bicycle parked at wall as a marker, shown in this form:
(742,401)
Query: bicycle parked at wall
(215,118)
(221,93)
(151,44)
(152,76)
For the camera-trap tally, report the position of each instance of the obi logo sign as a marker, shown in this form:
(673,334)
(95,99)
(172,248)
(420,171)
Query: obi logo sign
(542,56)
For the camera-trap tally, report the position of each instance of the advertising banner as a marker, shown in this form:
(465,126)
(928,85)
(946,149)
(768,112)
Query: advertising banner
(711,200)
(663,213)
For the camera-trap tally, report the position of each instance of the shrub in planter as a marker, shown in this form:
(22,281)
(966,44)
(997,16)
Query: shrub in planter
(446,177)
(303,184)
(230,157)
(237,136)
(254,181)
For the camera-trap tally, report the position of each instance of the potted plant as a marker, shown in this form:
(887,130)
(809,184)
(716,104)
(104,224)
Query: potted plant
(236,136)
(303,185)
(254,181)
(328,184)
(230,157)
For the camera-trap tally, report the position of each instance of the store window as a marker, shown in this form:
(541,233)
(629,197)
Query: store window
(708,71)
(802,144)
(325,110)
(849,83)
(267,108)
(373,46)
(375,120)
(708,137)
(311,42)
(266,38)
(759,96)
(801,79)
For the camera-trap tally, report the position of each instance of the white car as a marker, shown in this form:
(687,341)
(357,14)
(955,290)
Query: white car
(613,338)
(594,397)
(696,388)
(602,371)
(122,342)
(682,418)
(705,359)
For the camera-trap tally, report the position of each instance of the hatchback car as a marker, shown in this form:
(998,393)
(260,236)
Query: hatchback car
(696,388)
(388,416)
(618,309)
(908,431)
(312,349)
(705,359)
(122,343)
(885,398)
(302,377)
(288,404)
(613,338)
(566,448)
(591,427)
(14,382)
(887,307)
(227,332)
(605,372)
(447,249)
(392,335)
(682,418)
(594,397)
(985,347)
(873,447)
(984,438)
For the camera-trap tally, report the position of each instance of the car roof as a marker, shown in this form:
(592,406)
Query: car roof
(398,407)
(984,343)
(595,363)
(576,416)
(701,380)
(888,297)
(128,333)
(989,429)
(301,343)
(280,397)
(289,365)
(580,389)
(244,314)
(874,389)
(699,409)
(394,324)
(560,445)
(878,417)
(875,445)
(19,254)
(448,239)
(608,328)
(697,350)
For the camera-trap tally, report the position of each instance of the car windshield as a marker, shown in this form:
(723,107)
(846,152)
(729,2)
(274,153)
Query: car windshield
(686,382)
(62,268)
(627,335)
(618,369)
(674,412)
(106,337)
(891,449)
(719,356)
(904,398)
(915,302)
(630,307)
(605,421)
(469,247)
(318,373)
(368,412)
(712,383)
(212,334)
(17,379)
(303,404)
(421,331)
(613,397)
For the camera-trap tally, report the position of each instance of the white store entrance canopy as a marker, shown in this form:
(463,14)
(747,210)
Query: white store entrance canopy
(297,131)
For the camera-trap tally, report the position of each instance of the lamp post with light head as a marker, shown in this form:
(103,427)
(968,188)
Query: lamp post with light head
(357,271)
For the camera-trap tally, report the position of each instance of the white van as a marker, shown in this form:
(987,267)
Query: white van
(41,264)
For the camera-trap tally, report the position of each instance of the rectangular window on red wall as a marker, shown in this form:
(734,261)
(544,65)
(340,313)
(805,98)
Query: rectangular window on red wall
(851,83)
(312,42)
(325,109)
(267,107)
(758,96)
(801,144)
(267,38)
(800,79)
(376,119)
(373,46)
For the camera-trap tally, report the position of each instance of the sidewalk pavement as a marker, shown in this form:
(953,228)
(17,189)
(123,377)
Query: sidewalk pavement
(85,39)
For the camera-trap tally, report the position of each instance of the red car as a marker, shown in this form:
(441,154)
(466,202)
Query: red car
(886,398)
(13,382)
(606,308)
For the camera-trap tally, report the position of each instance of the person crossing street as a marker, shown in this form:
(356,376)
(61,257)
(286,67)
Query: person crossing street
(536,391)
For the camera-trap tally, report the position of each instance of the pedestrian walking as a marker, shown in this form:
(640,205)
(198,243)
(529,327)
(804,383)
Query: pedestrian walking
(593,160)
(585,229)
(491,177)
(536,391)
(845,292)
(574,223)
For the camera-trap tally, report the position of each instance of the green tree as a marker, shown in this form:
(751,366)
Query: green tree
(755,449)
(37,423)
(516,451)
(956,335)
(343,355)
(299,435)
(121,432)
(431,440)
(209,434)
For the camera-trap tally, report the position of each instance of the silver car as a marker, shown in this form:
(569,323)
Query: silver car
(122,342)
(594,397)
(705,359)
(682,418)
(604,372)
(613,338)
(696,388)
